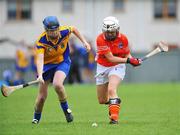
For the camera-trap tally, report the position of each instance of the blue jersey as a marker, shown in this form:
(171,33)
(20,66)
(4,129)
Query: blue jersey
(55,53)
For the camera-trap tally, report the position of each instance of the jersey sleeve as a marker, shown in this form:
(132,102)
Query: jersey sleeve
(102,47)
(39,48)
(67,29)
(70,28)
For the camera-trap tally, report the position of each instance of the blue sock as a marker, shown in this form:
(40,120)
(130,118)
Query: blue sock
(64,106)
(37,116)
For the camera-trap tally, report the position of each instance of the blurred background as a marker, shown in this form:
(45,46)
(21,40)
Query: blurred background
(144,22)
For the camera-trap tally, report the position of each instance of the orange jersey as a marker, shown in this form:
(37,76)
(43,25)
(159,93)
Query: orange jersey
(118,47)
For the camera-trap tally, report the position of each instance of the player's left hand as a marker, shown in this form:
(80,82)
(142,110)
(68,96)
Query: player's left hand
(87,46)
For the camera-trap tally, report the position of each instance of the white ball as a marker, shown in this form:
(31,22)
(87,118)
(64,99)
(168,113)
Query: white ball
(94,124)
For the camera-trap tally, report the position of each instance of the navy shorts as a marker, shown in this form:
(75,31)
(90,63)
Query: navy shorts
(50,69)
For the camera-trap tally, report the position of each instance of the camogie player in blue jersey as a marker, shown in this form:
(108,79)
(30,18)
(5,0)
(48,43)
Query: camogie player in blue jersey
(53,63)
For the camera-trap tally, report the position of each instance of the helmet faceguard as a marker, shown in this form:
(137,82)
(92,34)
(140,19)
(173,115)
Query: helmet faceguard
(110,28)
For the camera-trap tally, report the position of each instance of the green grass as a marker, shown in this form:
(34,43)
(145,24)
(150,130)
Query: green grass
(147,109)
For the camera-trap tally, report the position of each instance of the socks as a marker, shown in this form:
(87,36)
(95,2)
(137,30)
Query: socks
(37,116)
(114,108)
(114,111)
(64,106)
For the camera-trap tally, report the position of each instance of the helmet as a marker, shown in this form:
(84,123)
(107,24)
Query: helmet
(110,24)
(51,23)
(110,28)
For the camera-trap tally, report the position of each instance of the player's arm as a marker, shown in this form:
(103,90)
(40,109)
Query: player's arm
(40,63)
(114,59)
(131,60)
(81,38)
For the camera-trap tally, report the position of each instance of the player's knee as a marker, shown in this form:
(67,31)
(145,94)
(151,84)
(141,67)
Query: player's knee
(58,87)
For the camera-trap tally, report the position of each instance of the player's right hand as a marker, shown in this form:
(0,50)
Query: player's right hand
(134,61)
(87,46)
(40,79)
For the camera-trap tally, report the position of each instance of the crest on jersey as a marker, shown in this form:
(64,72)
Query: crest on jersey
(62,46)
(49,49)
(120,45)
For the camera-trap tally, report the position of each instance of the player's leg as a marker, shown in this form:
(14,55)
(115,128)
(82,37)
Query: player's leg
(114,100)
(40,100)
(102,84)
(103,87)
(116,75)
(58,81)
(102,93)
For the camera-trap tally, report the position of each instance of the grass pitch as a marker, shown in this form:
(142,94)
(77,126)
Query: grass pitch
(147,109)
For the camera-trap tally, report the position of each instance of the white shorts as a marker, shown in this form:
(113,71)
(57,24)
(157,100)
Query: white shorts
(103,73)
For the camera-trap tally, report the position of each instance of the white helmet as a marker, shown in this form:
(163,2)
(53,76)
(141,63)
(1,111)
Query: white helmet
(110,23)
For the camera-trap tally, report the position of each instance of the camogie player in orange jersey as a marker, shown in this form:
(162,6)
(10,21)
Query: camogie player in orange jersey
(112,54)
(53,63)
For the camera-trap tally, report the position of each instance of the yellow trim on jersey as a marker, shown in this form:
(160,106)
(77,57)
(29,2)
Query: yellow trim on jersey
(38,51)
